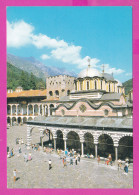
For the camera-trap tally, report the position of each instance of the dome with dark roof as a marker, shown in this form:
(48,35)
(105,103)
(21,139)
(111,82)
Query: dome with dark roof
(119,83)
(108,77)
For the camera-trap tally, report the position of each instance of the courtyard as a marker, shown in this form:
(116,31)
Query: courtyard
(35,173)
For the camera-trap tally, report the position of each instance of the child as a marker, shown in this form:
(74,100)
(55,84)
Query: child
(98,159)
(14,172)
(50,162)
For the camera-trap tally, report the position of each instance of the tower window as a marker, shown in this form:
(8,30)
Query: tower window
(50,93)
(109,87)
(75,86)
(81,85)
(68,92)
(106,112)
(87,85)
(101,84)
(57,93)
(95,84)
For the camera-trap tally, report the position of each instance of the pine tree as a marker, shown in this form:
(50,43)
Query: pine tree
(24,80)
(32,81)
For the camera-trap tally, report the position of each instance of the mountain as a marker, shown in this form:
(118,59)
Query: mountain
(16,76)
(30,64)
(128,85)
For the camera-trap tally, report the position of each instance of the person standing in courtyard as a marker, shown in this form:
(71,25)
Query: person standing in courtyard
(14,173)
(50,164)
(126,167)
(78,157)
(25,157)
(20,150)
(119,164)
(98,159)
(29,157)
(76,160)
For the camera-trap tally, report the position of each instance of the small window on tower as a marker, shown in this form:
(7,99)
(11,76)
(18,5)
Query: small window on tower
(106,112)
(81,85)
(109,87)
(101,84)
(87,85)
(95,84)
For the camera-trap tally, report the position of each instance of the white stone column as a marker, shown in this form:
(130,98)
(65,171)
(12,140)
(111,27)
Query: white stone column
(28,137)
(82,148)
(11,109)
(33,109)
(39,110)
(41,135)
(48,107)
(22,111)
(27,109)
(65,143)
(96,147)
(16,109)
(96,150)
(55,143)
(116,150)
(42,110)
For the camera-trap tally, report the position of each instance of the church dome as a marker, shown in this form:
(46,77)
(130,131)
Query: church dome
(119,83)
(89,72)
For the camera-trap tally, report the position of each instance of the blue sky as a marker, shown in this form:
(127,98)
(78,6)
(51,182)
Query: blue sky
(68,36)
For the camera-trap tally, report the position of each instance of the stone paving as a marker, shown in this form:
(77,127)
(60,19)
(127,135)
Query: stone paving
(35,173)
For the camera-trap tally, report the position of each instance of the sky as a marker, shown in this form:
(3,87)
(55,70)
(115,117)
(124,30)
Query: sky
(67,37)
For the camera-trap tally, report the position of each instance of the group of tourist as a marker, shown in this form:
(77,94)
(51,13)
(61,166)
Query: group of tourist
(109,160)
(126,165)
(35,147)
(27,157)
(19,141)
(10,153)
(48,150)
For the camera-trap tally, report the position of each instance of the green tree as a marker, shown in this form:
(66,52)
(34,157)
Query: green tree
(24,80)
(32,81)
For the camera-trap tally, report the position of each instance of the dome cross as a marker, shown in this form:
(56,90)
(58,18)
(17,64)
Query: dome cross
(89,62)
(103,68)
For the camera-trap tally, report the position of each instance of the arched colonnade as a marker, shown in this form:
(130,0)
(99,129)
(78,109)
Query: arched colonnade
(115,136)
(20,112)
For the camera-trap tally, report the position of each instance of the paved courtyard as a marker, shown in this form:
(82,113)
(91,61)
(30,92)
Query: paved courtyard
(35,173)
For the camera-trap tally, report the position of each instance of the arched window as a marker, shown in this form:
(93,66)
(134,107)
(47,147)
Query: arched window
(87,85)
(95,84)
(57,93)
(50,93)
(76,86)
(106,112)
(101,84)
(109,87)
(81,85)
(68,92)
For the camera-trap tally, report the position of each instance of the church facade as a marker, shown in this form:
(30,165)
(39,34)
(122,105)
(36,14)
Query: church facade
(96,109)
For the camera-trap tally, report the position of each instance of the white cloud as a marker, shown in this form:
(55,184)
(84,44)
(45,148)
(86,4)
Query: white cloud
(19,34)
(45,57)
(71,54)
(41,41)
(110,70)
(128,74)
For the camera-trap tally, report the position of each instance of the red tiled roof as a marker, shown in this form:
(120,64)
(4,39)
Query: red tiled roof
(27,93)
